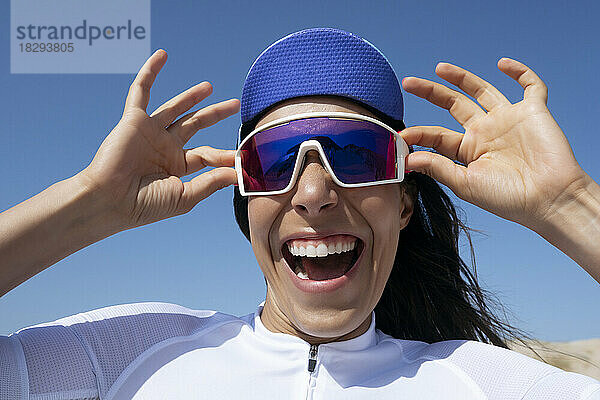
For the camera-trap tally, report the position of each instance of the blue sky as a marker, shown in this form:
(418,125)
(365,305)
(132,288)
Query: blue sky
(54,124)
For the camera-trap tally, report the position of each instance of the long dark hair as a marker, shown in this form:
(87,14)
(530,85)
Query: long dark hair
(431,294)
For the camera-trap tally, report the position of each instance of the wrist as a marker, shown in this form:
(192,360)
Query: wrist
(573,225)
(579,202)
(97,208)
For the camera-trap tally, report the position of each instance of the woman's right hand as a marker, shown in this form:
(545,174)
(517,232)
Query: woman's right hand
(138,167)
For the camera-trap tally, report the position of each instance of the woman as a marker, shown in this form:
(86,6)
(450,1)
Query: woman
(346,239)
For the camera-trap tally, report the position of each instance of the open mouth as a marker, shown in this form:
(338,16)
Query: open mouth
(324,258)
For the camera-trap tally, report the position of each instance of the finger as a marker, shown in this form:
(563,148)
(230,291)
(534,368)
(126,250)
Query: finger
(204,185)
(440,168)
(186,126)
(487,95)
(460,107)
(533,85)
(206,156)
(444,141)
(139,91)
(167,112)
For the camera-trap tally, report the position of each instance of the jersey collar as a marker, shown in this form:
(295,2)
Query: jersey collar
(364,341)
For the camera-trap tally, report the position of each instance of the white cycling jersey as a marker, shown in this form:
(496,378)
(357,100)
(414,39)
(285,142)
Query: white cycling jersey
(165,351)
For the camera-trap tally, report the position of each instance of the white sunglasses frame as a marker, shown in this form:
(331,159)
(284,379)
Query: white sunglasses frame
(401,152)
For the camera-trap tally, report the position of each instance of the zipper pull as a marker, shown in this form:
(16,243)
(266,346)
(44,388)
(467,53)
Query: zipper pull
(312,357)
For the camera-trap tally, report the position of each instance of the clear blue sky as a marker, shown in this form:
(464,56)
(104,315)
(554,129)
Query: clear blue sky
(53,125)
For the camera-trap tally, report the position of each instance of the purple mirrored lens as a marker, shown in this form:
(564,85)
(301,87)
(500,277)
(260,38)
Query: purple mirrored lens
(358,152)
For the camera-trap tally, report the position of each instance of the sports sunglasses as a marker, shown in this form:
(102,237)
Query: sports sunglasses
(356,150)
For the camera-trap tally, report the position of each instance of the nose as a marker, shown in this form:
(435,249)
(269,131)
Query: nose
(315,190)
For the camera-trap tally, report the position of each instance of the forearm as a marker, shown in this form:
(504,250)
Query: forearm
(48,227)
(574,226)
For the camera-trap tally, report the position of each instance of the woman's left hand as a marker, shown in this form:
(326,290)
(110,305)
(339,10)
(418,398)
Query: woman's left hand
(516,160)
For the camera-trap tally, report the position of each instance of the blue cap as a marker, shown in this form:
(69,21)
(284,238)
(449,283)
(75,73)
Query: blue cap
(321,61)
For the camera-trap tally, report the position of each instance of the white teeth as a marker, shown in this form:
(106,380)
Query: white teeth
(321,250)
(302,275)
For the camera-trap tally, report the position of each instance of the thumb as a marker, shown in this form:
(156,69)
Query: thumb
(438,167)
(205,185)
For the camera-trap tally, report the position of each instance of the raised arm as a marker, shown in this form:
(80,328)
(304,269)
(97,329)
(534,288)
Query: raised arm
(133,180)
(513,159)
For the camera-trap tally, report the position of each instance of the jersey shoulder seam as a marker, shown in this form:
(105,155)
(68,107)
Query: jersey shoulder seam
(534,383)
(22,363)
(93,361)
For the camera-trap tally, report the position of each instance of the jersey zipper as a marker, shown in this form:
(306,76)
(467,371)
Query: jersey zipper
(312,364)
(312,357)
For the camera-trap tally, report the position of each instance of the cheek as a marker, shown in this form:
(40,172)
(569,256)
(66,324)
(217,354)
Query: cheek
(382,213)
(263,213)
(383,218)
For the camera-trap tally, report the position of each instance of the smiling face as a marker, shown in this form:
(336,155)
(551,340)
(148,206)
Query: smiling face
(357,228)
